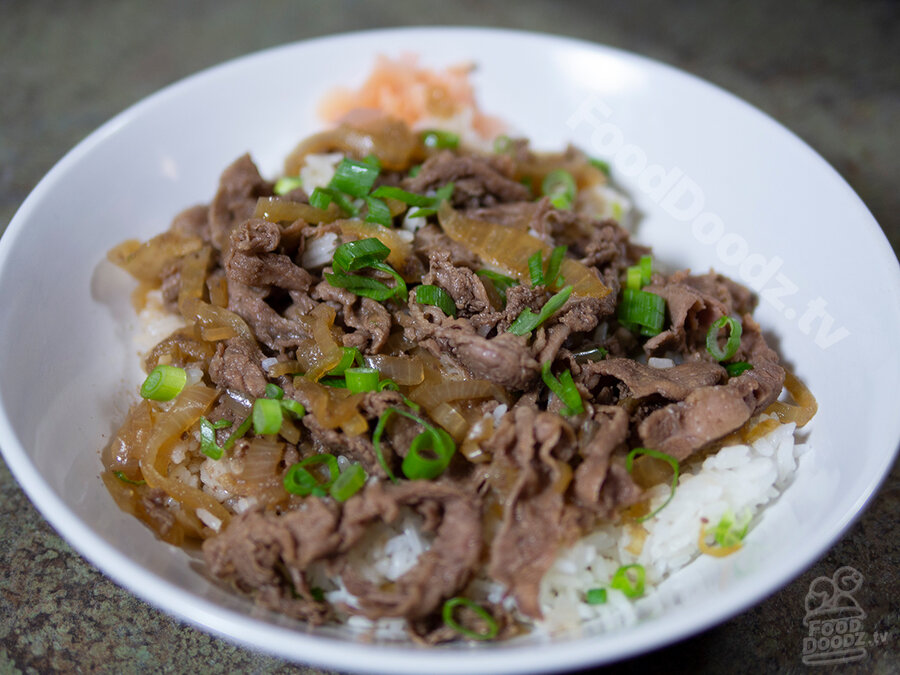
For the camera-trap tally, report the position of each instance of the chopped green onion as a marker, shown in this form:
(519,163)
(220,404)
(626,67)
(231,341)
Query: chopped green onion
(559,185)
(337,382)
(643,309)
(439,444)
(501,282)
(295,408)
(301,481)
(359,254)
(440,195)
(414,171)
(373,161)
(274,391)
(350,357)
(378,212)
(317,594)
(439,139)
(164,383)
(565,389)
(536,268)
(267,416)
(592,354)
(738,367)
(502,144)
(410,198)
(629,463)
(238,433)
(393,386)
(286,184)
(728,532)
(363,286)
(527,320)
(360,380)
(429,454)
(208,445)
(376,443)
(595,596)
(633,278)
(731,345)
(551,275)
(645,264)
(600,164)
(349,482)
(354,178)
(630,580)
(322,197)
(427,294)
(447,613)
(125,479)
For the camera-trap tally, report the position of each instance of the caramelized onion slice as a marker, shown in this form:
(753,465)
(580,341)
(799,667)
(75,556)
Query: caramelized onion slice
(395,145)
(806,406)
(277,210)
(146,262)
(191,404)
(508,250)
(403,370)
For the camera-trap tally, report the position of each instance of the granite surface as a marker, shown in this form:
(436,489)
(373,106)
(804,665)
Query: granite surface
(830,71)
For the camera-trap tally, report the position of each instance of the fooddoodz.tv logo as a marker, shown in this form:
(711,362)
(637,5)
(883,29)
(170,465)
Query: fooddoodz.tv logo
(834,620)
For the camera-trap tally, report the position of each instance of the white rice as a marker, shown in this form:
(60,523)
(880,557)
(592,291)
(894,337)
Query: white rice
(318,169)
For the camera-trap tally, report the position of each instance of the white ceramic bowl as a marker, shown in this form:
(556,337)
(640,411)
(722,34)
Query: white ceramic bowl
(718,183)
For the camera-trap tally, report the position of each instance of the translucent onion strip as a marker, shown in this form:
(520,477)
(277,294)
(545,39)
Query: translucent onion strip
(276,210)
(191,404)
(806,406)
(508,250)
(404,370)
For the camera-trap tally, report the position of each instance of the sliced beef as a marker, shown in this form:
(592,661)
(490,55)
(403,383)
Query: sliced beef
(273,330)
(639,380)
(193,221)
(250,260)
(370,320)
(504,359)
(239,187)
(531,449)
(237,366)
(709,413)
(442,571)
(478,181)
(463,285)
(268,553)
(607,430)
(693,304)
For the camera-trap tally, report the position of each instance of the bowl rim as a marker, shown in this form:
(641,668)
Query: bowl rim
(295,645)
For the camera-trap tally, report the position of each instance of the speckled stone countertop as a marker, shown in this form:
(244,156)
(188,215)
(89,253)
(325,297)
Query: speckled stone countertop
(829,71)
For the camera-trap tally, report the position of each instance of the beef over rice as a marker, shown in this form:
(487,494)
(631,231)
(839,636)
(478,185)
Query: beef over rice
(409,376)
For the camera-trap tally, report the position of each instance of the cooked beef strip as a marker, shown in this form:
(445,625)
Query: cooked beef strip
(463,285)
(639,381)
(479,181)
(370,320)
(236,366)
(440,572)
(504,359)
(533,447)
(239,187)
(709,413)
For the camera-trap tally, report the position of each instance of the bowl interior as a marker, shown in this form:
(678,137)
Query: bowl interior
(717,183)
